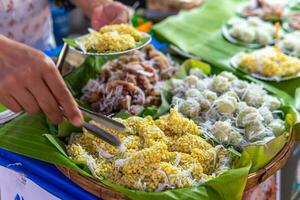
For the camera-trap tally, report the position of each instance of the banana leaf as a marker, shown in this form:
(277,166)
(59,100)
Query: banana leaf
(2,108)
(199,32)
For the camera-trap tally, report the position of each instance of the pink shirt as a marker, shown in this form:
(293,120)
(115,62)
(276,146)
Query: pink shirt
(27,21)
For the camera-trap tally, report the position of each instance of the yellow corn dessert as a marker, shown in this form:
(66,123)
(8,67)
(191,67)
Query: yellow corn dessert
(269,62)
(110,38)
(157,155)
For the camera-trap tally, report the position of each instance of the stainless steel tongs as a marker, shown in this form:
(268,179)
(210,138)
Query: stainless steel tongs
(98,117)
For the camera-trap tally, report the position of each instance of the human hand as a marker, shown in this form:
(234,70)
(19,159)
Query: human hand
(30,82)
(109,13)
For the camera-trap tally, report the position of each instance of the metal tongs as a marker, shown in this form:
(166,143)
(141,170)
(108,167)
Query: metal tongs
(106,121)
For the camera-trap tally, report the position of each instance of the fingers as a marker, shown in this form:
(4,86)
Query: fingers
(98,19)
(31,83)
(46,101)
(10,103)
(26,100)
(111,13)
(63,96)
(122,16)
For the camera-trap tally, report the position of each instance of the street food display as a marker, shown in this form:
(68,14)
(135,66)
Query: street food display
(187,128)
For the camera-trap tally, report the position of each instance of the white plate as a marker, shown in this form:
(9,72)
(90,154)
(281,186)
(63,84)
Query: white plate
(145,36)
(233,40)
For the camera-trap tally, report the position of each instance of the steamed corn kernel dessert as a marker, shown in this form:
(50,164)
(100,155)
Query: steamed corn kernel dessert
(111,42)
(122,29)
(156,156)
(174,125)
(269,62)
(188,142)
(110,38)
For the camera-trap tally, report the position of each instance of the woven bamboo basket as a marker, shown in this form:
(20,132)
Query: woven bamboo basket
(254,179)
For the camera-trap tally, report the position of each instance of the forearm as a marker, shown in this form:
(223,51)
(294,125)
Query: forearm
(87,6)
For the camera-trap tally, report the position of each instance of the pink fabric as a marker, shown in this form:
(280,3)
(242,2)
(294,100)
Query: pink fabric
(27,21)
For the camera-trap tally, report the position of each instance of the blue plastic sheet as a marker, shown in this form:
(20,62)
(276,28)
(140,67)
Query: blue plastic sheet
(45,175)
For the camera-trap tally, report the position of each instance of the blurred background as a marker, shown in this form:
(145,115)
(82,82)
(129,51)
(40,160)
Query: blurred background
(285,184)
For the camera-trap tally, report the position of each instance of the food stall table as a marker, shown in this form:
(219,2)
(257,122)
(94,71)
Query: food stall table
(26,178)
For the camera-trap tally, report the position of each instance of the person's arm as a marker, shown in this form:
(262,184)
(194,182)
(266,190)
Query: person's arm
(30,82)
(103,12)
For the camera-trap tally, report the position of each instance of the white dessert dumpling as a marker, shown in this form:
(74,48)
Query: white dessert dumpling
(191,80)
(255,131)
(239,87)
(221,132)
(209,98)
(201,85)
(291,43)
(226,104)
(231,94)
(288,43)
(241,106)
(248,115)
(176,101)
(278,126)
(193,93)
(266,114)
(220,84)
(263,37)
(251,30)
(254,96)
(210,95)
(247,35)
(236,139)
(189,108)
(254,21)
(228,75)
(197,72)
(271,102)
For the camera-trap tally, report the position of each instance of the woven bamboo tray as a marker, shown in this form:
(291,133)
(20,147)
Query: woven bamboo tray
(254,179)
